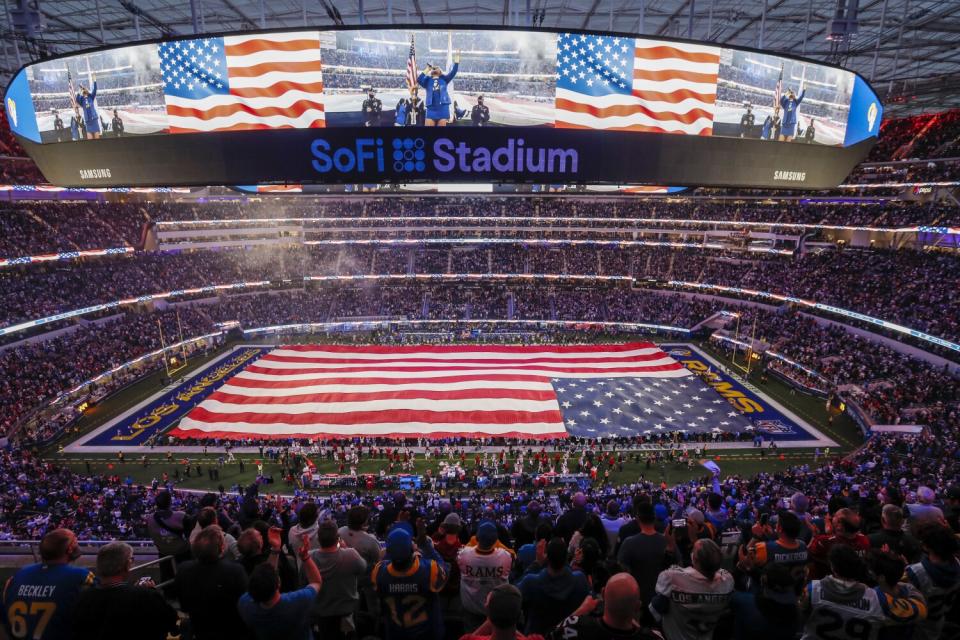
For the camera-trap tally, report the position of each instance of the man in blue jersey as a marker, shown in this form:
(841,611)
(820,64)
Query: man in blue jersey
(38,600)
(408,581)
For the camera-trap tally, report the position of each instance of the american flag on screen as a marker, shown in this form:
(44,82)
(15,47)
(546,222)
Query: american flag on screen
(627,84)
(258,81)
(412,66)
(539,391)
(778,90)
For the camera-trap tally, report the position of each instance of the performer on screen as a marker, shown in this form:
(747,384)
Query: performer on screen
(810,132)
(87,101)
(771,126)
(117,124)
(480,114)
(372,108)
(790,103)
(58,127)
(746,121)
(417,113)
(78,130)
(438,101)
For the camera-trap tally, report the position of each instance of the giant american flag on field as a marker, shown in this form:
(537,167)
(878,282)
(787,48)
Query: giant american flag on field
(255,81)
(626,84)
(542,391)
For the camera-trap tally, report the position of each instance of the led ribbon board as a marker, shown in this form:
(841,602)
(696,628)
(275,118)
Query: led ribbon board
(364,106)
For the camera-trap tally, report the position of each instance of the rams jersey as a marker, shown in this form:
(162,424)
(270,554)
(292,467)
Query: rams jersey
(940,595)
(794,558)
(688,604)
(38,600)
(409,598)
(870,615)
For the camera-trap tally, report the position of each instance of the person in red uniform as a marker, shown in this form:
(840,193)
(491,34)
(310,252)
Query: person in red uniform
(845,530)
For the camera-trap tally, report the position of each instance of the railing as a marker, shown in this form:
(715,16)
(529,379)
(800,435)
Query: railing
(87,547)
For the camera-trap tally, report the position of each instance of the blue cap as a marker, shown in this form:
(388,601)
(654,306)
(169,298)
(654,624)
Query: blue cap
(487,535)
(399,544)
(527,555)
(660,511)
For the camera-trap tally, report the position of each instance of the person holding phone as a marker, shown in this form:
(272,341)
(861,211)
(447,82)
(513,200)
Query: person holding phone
(341,567)
(272,615)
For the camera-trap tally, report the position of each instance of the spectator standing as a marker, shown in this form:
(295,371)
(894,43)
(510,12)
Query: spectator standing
(892,537)
(482,568)
(612,522)
(647,553)
(504,606)
(304,530)
(168,530)
(573,519)
(618,619)
(115,609)
(551,589)
(408,580)
(840,602)
(272,615)
(937,577)
(340,566)
(845,532)
(690,601)
(354,535)
(769,612)
(209,588)
(39,600)
(524,529)
(923,511)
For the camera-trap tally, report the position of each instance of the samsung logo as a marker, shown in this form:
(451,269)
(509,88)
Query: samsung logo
(94,174)
(790,176)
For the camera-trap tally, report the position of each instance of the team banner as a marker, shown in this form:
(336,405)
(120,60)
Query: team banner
(392,92)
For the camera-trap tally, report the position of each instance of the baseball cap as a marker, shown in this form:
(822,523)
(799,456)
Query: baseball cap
(660,510)
(799,502)
(452,523)
(696,515)
(399,544)
(504,605)
(487,535)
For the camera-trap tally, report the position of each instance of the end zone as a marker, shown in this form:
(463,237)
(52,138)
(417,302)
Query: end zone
(769,417)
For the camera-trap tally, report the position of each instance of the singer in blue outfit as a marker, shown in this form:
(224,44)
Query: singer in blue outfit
(789,103)
(438,101)
(87,101)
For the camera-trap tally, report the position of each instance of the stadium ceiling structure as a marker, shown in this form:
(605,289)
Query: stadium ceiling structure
(908,49)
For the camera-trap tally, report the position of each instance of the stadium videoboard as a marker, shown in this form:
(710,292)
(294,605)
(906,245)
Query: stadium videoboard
(383,105)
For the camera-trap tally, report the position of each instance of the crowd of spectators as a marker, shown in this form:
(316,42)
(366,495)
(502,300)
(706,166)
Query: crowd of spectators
(928,135)
(39,227)
(33,374)
(912,288)
(868,542)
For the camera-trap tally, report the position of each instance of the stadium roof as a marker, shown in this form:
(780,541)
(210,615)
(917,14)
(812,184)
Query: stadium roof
(908,49)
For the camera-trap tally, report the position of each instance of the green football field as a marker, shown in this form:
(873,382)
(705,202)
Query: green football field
(742,461)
